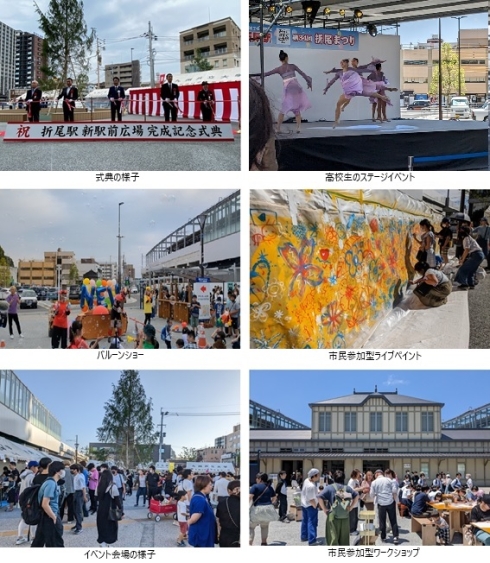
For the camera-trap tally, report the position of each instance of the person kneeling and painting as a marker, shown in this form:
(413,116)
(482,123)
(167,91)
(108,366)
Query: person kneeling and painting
(433,287)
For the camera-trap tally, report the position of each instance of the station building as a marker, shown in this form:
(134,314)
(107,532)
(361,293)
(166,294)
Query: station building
(368,430)
(28,430)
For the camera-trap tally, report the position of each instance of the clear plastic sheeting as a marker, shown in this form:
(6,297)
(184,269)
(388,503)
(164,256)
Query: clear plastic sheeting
(327,266)
(19,452)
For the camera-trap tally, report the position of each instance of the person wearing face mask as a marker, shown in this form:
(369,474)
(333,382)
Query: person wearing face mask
(49,532)
(228,517)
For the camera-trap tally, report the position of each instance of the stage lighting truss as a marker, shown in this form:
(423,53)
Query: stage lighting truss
(358,15)
(342,13)
(326,12)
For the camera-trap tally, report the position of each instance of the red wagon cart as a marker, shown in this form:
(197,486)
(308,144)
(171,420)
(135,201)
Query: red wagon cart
(162,509)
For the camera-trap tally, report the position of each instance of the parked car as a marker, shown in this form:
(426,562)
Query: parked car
(459,107)
(52,295)
(28,299)
(481,114)
(419,104)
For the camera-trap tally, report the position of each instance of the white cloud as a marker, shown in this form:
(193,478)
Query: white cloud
(392,381)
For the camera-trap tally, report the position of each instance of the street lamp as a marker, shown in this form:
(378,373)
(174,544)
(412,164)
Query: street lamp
(119,237)
(202,221)
(459,18)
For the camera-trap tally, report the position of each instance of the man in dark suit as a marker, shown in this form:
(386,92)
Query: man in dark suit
(116,96)
(206,97)
(33,102)
(169,93)
(69,95)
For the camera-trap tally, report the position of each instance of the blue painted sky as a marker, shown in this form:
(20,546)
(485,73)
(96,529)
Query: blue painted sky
(292,391)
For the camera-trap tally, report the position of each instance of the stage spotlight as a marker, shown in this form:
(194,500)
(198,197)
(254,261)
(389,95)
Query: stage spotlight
(358,14)
(372,29)
(311,8)
(289,10)
(342,12)
(326,12)
(272,9)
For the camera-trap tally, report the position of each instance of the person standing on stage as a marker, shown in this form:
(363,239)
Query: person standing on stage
(294,98)
(33,102)
(116,96)
(169,93)
(206,97)
(69,95)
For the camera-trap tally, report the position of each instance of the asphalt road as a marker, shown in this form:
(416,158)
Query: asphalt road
(120,157)
(34,326)
(479,308)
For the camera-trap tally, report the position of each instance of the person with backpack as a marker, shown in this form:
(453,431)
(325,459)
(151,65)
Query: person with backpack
(166,334)
(49,532)
(26,478)
(337,501)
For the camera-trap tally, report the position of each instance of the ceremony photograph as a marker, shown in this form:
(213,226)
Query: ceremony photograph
(84,86)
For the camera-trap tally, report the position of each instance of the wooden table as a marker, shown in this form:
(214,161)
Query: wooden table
(455,510)
(485,526)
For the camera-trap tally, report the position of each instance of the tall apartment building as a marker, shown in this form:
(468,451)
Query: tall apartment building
(108,270)
(129,74)
(28,58)
(218,42)
(7,60)
(37,272)
(63,259)
(418,62)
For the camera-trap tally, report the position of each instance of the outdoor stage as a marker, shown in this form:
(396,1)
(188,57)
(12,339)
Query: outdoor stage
(364,145)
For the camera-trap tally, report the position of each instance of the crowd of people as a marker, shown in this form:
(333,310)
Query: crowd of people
(382,491)
(472,245)
(206,507)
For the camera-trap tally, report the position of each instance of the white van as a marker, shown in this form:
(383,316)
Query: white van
(460,107)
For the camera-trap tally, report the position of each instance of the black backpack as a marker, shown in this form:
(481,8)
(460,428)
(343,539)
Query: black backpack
(29,505)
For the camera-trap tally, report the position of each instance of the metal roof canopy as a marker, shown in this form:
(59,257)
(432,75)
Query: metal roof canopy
(378,12)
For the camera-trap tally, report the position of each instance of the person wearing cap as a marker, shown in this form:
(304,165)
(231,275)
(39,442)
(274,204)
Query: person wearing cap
(26,478)
(481,513)
(483,238)
(445,236)
(206,97)
(384,493)
(309,506)
(60,322)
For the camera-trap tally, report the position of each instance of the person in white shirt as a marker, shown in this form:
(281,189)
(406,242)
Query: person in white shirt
(309,506)
(221,486)
(384,492)
(182,511)
(469,482)
(187,485)
(80,498)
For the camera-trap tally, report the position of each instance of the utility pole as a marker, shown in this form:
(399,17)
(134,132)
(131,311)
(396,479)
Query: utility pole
(151,55)
(100,45)
(76,448)
(162,434)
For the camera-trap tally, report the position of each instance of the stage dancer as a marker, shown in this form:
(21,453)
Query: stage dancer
(378,76)
(294,98)
(352,85)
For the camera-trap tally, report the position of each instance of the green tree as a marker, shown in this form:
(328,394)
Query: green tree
(4,272)
(74,274)
(450,73)
(8,260)
(201,62)
(99,454)
(66,42)
(188,454)
(128,421)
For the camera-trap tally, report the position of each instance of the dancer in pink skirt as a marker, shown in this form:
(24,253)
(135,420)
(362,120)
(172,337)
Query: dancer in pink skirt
(378,76)
(352,85)
(294,98)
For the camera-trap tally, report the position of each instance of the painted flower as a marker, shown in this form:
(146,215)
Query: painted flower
(259,312)
(304,272)
(278,315)
(353,259)
(332,280)
(331,317)
(338,341)
(331,236)
(299,231)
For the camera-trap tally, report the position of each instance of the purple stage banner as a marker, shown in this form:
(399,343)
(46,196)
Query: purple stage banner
(305,38)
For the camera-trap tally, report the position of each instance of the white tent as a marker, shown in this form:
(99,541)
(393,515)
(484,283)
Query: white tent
(20,452)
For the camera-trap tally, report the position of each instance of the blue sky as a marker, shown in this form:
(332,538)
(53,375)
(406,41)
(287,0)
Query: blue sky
(420,31)
(76,399)
(292,391)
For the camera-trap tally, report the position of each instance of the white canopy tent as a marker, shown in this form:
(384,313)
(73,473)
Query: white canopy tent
(20,452)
